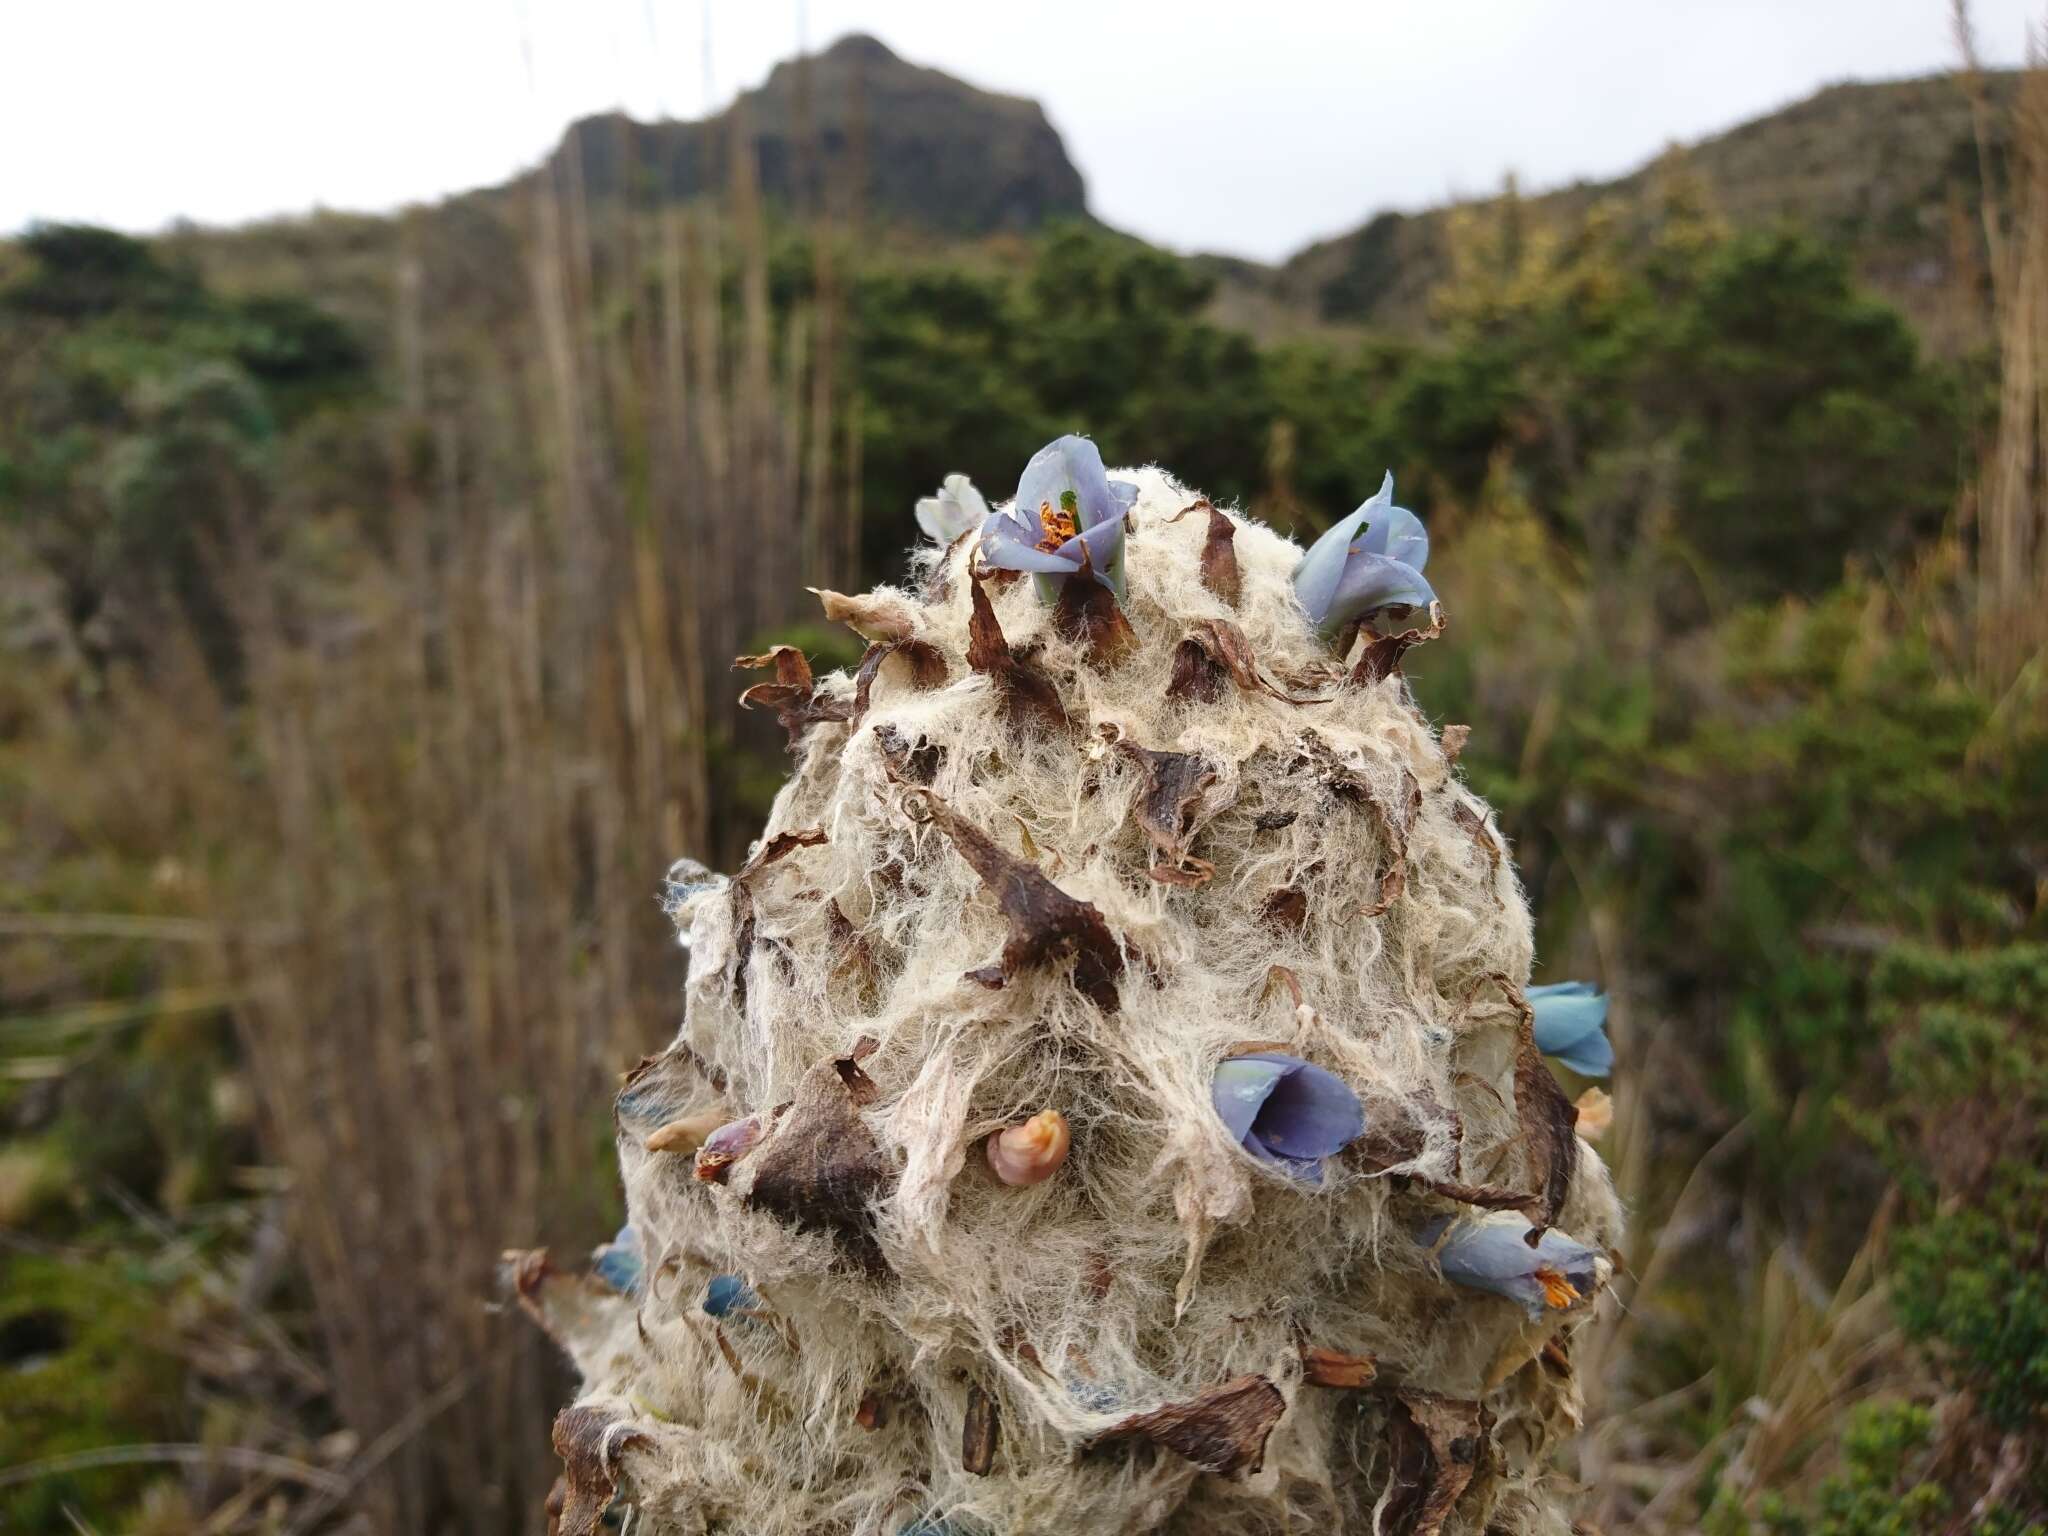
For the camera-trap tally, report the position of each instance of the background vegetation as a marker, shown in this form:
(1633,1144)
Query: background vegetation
(370,591)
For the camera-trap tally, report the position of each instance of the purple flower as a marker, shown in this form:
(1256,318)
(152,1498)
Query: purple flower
(1492,1253)
(1065,502)
(1571,1024)
(958,508)
(1370,560)
(1286,1111)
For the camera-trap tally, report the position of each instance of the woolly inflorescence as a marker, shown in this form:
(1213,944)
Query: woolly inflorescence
(1063,871)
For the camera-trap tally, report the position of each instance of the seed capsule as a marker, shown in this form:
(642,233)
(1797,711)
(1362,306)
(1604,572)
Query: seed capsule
(687,1134)
(1032,1152)
(726,1146)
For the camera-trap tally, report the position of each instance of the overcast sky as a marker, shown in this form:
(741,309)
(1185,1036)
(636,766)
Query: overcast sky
(1233,126)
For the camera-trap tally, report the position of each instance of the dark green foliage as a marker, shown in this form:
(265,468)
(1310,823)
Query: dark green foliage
(1785,420)
(84,1363)
(1966,1125)
(80,271)
(1887,1485)
(140,418)
(973,371)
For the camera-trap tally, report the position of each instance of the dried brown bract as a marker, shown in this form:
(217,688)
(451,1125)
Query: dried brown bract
(1170,810)
(909,764)
(1199,675)
(1220,573)
(872,616)
(1046,924)
(1549,1122)
(1285,906)
(821,1166)
(1026,692)
(1222,1429)
(1088,615)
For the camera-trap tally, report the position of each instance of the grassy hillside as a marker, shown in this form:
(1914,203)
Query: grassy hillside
(1887,172)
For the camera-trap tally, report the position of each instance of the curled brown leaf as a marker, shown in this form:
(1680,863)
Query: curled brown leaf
(1434,1448)
(589,1441)
(1169,808)
(1382,655)
(779,847)
(1221,646)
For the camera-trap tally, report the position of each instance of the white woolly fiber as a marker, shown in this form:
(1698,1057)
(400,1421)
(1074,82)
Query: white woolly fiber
(1162,1260)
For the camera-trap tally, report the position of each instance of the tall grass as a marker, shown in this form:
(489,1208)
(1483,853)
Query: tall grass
(2011,494)
(443,823)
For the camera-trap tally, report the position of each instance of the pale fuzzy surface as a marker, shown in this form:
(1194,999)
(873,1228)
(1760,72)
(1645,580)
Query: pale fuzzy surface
(1216,1266)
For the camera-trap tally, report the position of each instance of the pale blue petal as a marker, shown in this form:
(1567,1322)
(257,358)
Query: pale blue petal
(1240,1086)
(1373,582)
(1492,1253)
(619,1264)
(1007,545)
(1310,1113)
(1316,578)
(1105,543)
(1398,534)
(958,508)
(1591,1057)
(935,518)
(968,498)
(1286,1111)
(1570,1024)
(1069,464)
(1562,989)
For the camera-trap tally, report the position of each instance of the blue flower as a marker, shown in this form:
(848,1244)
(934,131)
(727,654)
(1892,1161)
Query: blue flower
(1371,560)
(727,1294)
(1492,1253)
(958,508)
(1571,1024)
(619,1263)
(1066,503)
(1286,1111)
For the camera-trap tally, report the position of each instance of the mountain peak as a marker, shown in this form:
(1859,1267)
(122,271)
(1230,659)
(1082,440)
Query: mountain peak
(924,149)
